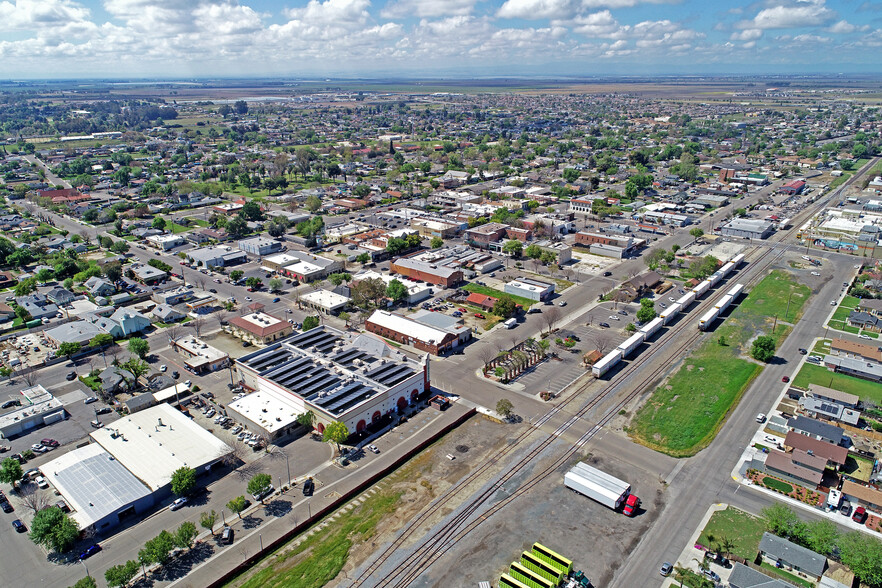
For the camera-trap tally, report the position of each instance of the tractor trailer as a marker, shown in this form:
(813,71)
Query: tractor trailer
(603,488)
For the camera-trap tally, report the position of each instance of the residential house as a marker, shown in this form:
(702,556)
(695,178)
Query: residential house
(839,346)
(798,467)
(791,557)
(835,455)
(99,286)
(866,496)
(38,306)
(482,301)
(864,320)
(167,314)
(61,296)
(7,280)
(817,430)
(745,577)
(147,274)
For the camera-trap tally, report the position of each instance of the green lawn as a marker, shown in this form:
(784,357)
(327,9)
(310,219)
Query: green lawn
(822,346)
(816,374)
(198,222)
(683,416)
(175,228)
(777,485)
(742,529)
(525,302)
(841,313)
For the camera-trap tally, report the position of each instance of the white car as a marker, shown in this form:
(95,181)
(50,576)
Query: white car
(862,336)
(613,317)
(41,482)
(163,368)
(188,383)
(178,503)
(761,418)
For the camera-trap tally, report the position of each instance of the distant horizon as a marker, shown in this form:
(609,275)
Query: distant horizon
(183,39)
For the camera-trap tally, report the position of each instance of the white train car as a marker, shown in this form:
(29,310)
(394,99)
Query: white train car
(724,303)
(701,289)
(670,312)
(686,300)
(738,259)
(609,361)
(651,328)
(707,320)
(727,269)
(735,291)
(715,278)
(630,344)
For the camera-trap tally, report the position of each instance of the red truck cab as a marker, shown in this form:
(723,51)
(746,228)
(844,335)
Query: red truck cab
(632,503)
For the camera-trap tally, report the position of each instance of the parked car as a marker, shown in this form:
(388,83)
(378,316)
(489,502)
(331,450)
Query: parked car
(613,317)
(163,368)
(49,442)
(276,299)
(860,515)
(666,569)
(761,418)
(19,526)
(5,506)
(103,410)
(227,535)
(308,487)
(607,274)
(90,551)
(803,351)
(785,379)
(373,448)
(711,574)
(62,505)
(604,325)
(42,482)
(479,315)
(562,303)
(178,503)
(39,448)
(90,400)
(71,376)
(261,495)
(845,508)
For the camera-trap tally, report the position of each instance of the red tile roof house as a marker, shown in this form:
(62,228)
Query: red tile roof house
(482,300)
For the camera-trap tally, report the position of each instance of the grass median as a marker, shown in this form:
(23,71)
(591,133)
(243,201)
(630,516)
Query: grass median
(684,414)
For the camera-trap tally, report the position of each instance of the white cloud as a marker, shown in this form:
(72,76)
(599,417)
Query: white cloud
(427,8)
(338,13)
(746,35)
(37,14)
(659,33)
(538,9)
(809,13)
(227,19)
(597,25)
(846,28)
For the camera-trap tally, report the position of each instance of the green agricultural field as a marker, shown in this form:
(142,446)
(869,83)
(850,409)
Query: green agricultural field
(742,530)
(684,414)
(816,374)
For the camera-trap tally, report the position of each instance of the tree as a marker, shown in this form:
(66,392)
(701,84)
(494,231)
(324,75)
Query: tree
(101,340)
(158,549)
(258,484)
(251,211)
(120,575)
(87,582)
(368,292)
(236,275)
(207,520)
(504,407)
(505,306)
(763,348)
(113,271)
(339,278)
(344,316)
(120,247)
(158,223)
(185,534)
(306,419)
(25,287)
(136,367)
(533,251)
(139,347)
(54,530)
(863,555)
(436,242)
(183,481)
(310,322)
(696,233)
(45,275)
(237,226)
(10,471)
(337,433)
(237,505)
(779,519)
(571,174)
(69,348)
(254,282)
(396,290)
(275,285)
(363,258)
(513,247)
(313,203)
(550,318)
(647,310)
(821,536)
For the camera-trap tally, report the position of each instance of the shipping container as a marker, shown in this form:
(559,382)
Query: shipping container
(608,362)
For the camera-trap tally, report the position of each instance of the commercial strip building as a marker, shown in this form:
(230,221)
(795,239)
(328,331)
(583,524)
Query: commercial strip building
(37,407)
(166,242)
(529,288)
(260,246)
(301,265)
(259,327)
(617,246)
(426,271)
(201,357)
(129,465)
(434,333)
(218,256)
(325,301)
(747,228)
(348,378)
(416,291)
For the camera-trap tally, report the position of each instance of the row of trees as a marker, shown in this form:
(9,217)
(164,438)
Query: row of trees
(155,551)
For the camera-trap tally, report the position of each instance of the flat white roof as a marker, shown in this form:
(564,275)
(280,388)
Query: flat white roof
(200,348)
(282,259)
(35,401)
(412,287)
(167,393)
(271,411)
(153,451)
(164,238)
(325,299)
(260,320)
(93,483)
(402,324)
(303,268)
(529,286)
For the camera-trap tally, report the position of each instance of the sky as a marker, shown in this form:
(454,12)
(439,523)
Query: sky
(431,38)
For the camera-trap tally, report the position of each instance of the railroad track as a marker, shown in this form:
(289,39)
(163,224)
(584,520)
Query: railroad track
(442,539)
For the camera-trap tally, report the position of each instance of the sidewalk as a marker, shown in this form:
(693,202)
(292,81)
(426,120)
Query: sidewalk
(690,556)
